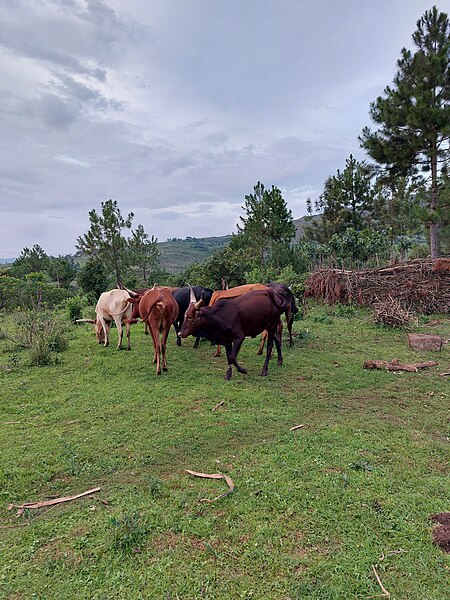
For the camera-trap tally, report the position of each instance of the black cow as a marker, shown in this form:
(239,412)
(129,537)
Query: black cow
(230,321)
(182,296)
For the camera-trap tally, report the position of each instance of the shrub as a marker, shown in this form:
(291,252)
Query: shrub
(129,532)
(41,332)
(74,308)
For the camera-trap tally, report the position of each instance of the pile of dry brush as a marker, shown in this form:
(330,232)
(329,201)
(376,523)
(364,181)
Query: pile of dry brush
(418,286)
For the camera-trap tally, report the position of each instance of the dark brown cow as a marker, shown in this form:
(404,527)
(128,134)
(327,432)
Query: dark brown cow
(159,310)
(233,293)
(229,322)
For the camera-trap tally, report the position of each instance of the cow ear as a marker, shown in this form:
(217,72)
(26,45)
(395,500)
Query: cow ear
(133,300)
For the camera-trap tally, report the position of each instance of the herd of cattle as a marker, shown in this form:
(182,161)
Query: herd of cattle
(225,317)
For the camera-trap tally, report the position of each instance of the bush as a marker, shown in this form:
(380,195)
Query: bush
(74,308)
(41,332)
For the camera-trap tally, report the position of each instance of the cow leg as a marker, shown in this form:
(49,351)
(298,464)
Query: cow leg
(154,343)
(128,326)
(118,322)
(263,343)
(277,340)
(270,339)
(229,372)
(157,358)
(177,327)
(105,330)
(146,328)
(236,347)
(197,342)
(218,350)
(164,346)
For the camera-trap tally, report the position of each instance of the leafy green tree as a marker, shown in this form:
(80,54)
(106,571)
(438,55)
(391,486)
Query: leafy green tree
(347,201)
(93,277)
(61,270)
(144,254)
(30,261)
(104,240)
(413,116)
(267,224)
(397,206)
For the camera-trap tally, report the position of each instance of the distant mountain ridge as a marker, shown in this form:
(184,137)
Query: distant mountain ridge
(177,254)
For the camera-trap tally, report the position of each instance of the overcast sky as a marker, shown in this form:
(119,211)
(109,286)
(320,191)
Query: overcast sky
(176,108)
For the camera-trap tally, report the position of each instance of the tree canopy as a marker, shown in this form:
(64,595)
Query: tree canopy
(413,116)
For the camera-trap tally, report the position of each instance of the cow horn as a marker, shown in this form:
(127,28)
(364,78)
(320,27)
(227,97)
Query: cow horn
(192,297)
(200,303)
(132,294)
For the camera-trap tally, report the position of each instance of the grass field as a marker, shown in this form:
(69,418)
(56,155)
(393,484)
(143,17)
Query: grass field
(312,511)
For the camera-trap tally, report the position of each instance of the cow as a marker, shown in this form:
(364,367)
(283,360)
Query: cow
(159,310)
(182,296)
(233,293)
(111,306)
(229,322)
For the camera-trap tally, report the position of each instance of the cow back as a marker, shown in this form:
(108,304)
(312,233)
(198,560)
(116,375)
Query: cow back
(235,292)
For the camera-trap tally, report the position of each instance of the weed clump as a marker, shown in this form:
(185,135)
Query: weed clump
(129,532)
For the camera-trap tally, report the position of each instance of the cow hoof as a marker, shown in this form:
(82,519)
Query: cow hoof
(280,363)
(228,375)
(165,369)
(178,341)
(264,373)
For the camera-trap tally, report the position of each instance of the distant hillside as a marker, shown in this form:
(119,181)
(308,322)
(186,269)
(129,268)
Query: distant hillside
(177,254)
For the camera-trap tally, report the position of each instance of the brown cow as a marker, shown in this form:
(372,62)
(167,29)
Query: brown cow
(233,293)
(230,321)
(159,310)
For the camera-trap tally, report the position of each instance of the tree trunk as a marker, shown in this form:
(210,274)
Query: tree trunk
(434,225)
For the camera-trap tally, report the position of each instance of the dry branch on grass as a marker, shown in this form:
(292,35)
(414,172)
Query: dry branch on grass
(214,476)
(218,405)
(385,593)
(33,505)
(297,427)
(395,365)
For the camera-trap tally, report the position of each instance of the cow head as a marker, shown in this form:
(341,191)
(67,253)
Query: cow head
(190,324)
(99,333)
(135,300)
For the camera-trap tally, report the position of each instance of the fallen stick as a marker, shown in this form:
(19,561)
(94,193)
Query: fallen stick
(297,427)
(444,374)
(385,593)
(214,476)
(33,505)
(218,405)
(395,365)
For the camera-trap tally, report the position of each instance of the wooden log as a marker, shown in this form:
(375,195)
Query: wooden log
(395,365)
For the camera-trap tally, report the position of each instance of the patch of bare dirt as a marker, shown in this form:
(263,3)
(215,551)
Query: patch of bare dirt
(441,533)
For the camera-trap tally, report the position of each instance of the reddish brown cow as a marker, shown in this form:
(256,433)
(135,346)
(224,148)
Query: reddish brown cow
(159,310)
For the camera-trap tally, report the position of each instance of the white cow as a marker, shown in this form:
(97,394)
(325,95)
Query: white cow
(112,306)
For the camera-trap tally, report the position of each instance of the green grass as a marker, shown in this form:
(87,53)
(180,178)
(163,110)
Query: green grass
(313,509)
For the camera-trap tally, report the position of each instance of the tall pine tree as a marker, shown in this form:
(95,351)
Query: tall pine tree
(267,224)
(104,240)
(413,116)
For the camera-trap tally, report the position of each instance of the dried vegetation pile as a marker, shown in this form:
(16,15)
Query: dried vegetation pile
(421,286)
